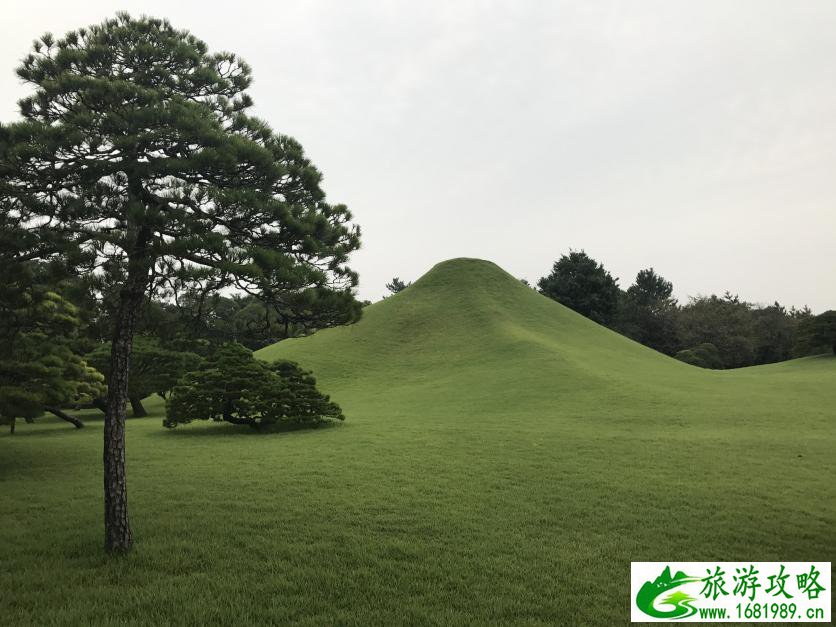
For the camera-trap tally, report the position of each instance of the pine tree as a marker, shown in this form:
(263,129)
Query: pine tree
(647,312)
(39,371)
(235,387)
(396,285)
(136,152)
(582,284)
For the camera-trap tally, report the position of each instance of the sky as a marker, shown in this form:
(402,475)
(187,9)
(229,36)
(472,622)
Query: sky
(698,138)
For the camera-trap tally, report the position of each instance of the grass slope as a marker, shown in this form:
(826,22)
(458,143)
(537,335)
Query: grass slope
(504,459)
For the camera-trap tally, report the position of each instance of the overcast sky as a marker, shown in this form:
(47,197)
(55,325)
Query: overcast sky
(697,137)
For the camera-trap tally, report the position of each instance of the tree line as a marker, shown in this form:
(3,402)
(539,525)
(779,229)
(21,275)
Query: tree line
(708,331)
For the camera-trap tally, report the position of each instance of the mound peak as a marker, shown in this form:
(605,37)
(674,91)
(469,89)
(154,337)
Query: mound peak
(460,265)
(463,275)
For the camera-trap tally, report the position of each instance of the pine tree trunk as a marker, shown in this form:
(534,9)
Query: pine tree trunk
(136,407)
(65,416)
(12,425)
(118,535)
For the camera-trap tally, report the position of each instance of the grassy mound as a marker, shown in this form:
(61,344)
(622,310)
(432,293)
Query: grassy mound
(504,459)
(470,332)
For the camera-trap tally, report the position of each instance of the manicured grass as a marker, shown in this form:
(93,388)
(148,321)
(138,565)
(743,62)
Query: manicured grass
(503,461)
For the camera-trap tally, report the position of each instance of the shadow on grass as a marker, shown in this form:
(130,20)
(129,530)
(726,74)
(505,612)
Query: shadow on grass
(96,416)
(221,429)
(39,429)
(50,426)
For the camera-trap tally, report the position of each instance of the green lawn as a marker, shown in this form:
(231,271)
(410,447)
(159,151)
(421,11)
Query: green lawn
(503,460)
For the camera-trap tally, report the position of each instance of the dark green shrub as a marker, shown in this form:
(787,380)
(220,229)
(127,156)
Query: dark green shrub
(703,355)
(235,387)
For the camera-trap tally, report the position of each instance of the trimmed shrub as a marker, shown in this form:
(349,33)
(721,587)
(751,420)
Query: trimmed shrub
(233,386)
(703,355)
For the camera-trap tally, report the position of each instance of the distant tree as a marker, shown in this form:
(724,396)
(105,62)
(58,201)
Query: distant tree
(774,334)
(647,313)
(39,372)
(136,152)
(799,317)
(216,319)
(396,285)
(650,289)
(248,319)
(235,387)
(582,284)
(725,322)
(818,333)
(154,369)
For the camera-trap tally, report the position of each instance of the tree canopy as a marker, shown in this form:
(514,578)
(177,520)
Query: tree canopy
(650,289)
(582,284)
(819,332)
(647,312)
(137,146)
(724,322)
